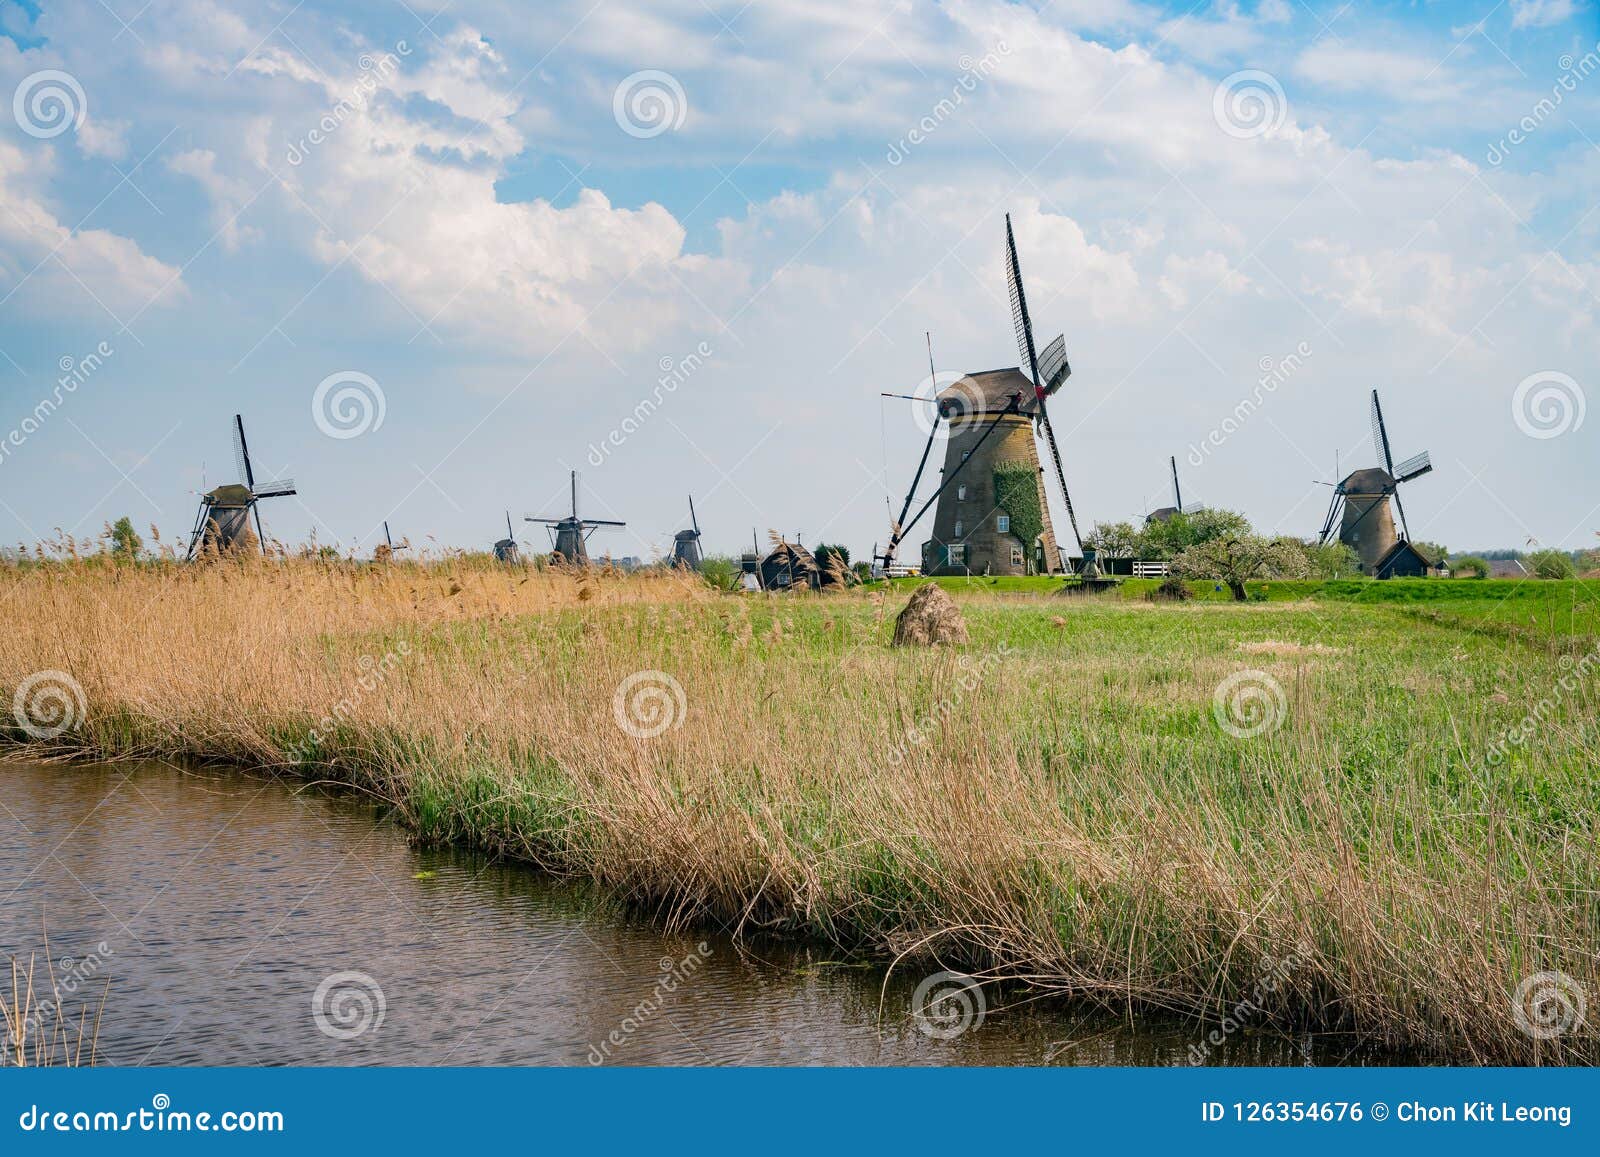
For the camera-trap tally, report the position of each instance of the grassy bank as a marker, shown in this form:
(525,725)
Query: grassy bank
(1059,801)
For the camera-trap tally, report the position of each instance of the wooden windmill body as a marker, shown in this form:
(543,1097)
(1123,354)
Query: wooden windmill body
(570,533)
(1360,509)
(226,512)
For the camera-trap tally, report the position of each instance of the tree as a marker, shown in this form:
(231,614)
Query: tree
(125,541)
(1432,551)
(1551,564)
(1332,560)
(1470,562)
(1237,559)
(1168,537)
(825,550)
(1114,540)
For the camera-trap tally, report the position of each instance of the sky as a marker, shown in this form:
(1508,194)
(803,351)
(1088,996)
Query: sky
(438,255)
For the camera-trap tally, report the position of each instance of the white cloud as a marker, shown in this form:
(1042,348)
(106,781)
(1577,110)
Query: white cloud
(1541,13)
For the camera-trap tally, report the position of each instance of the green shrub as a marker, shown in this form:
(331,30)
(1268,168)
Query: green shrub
(1550,564)
(1478,566)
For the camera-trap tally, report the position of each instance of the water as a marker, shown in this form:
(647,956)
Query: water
(224,901)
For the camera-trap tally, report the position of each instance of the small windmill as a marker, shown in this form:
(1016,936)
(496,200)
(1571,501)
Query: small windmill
(506,549)
(570,533)
(686,543)
(1162,513)
(223,522)
(1360,508)
(387,551)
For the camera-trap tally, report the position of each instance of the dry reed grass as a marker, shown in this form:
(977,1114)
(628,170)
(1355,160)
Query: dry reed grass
(1071,818)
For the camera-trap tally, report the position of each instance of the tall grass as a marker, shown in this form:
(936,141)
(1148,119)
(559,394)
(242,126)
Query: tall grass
(1055,804)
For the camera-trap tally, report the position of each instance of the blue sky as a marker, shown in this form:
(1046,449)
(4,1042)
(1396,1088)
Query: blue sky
(507,252)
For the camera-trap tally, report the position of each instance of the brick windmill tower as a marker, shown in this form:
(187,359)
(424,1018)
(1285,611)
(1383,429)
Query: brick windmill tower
(993,517)
(1360,509)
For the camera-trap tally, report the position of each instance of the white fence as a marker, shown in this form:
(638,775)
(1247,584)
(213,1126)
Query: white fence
(1151,569)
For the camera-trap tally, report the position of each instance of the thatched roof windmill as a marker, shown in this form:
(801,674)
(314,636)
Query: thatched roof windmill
(223,522)
(686,543)
(506,549)
(570,533)
(386,549)
(1360,508)
(1163,513)
(993,516)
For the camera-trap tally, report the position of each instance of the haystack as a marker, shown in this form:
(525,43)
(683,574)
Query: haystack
(930,618)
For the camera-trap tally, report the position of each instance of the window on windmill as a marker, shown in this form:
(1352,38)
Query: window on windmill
(1016,556)
(961,493)
(958,554)
(1002,523)
(960,528)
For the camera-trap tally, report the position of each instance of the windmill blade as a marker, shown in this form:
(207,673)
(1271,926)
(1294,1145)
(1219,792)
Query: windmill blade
(1413,466)
(602,522)
(1177,494)
(1380,436)
(693,521)
(241,453)
(1053,367)
(1019,309)
(276,489)
(534,518)
(1335,507)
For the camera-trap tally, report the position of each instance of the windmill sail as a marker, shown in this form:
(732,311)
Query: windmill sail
(1023,325)
(1053,367)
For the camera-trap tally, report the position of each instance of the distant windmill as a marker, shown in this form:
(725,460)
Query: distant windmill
(1360,508)
(223,522)
(387,551)
(1162,513)
(506,549)
(686,543)
(570,533)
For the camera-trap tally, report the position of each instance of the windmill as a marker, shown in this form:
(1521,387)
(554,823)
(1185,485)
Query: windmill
(1360,508)
(1163,513)
(993,516)
(570,533)
(686,543)
(386,551)
(223,522)
(506,549)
